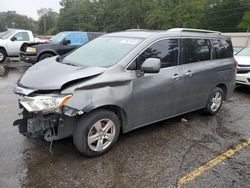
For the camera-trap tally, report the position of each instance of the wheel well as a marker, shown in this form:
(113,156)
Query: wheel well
(2,48)
(224,88)
(118,111)
(47,52)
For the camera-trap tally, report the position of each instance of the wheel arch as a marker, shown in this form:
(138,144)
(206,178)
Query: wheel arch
(3,48)
(120,112)
(46,52)
(224,89)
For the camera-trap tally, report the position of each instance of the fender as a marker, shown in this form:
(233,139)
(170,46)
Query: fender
(47,51)
(2,47)
(88,99)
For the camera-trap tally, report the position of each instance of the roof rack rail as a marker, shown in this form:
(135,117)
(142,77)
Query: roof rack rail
(138,30)
(194,30)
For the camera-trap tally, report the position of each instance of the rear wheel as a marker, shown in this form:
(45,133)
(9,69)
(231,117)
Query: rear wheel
(44,56)
(215,101)
(3,56)
(96,133)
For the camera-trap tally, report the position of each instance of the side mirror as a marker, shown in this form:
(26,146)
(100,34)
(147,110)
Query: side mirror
(66,42)
(151,65)
(13,39)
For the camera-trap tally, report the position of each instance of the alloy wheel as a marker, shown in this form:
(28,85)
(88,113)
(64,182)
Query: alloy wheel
(101,135)
(216,101)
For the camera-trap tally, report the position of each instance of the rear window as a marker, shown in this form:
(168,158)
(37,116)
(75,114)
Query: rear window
(195,50)
(93,35)
(222,49)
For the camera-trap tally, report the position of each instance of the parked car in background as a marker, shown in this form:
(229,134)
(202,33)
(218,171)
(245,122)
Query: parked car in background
(123,81)
(236,50)
(11,41)
(243,72)
(60,44)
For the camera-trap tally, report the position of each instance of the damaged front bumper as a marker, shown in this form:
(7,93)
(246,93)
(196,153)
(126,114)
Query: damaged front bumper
(47,116)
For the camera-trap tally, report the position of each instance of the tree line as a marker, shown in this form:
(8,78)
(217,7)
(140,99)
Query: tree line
(116,15)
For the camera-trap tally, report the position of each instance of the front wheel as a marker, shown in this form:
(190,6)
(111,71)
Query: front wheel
(96,132)
(215,101)
(44,56)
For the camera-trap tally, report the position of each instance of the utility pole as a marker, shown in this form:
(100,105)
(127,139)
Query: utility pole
(44,23)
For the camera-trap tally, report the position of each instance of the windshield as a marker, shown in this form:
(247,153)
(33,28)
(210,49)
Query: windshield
(102,52)
(6,34)
(244,52)
(58,38)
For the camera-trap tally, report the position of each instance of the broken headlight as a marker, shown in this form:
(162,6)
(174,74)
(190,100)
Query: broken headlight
(44,103)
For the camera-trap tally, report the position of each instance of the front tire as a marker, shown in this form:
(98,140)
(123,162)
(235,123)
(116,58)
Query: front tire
(96,132)
(215,101)
(3,56)
(44,56)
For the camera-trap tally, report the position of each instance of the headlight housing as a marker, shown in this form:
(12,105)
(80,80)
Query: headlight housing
(44,103)
(31,49)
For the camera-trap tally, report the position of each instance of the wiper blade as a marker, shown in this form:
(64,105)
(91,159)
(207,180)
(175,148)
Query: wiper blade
(70,64)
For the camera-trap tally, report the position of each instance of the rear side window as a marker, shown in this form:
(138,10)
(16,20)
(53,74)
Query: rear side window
(222,49)
(195,50)
(165,50)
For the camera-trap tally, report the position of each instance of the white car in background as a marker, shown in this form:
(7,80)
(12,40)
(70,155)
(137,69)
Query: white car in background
(11,41)
(243,72)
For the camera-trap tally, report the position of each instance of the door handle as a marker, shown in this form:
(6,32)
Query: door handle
(176,76)
(189,73)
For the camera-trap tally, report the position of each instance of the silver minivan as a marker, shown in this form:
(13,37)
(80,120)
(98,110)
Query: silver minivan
(122,81)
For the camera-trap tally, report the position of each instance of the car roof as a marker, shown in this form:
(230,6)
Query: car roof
(176,32)
(141,33)
(13,29)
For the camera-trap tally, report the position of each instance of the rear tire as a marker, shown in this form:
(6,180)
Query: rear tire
(3,56)
(44,56)
(96,132)
(214,102)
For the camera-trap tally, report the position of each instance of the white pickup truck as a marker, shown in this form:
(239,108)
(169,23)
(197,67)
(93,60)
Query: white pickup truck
(11,41)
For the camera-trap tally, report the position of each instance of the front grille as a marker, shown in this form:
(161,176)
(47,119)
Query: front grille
(243,65)
(243,70)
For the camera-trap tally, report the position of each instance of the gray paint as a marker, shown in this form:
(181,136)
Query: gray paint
(144,99)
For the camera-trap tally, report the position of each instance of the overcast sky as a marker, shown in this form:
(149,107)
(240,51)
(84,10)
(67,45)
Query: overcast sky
(28,7)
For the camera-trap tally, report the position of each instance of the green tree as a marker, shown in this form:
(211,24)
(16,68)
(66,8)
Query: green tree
(115,15)
(11,19)
(224,15)
(80,15)
(245,23)
(47,22)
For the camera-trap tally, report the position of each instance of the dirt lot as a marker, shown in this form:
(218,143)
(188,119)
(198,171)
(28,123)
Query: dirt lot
(172,153)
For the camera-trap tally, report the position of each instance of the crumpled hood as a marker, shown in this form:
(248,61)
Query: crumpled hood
(52,75)
(243,60)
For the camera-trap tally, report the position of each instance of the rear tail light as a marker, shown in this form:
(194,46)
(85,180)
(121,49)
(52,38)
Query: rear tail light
(235,63)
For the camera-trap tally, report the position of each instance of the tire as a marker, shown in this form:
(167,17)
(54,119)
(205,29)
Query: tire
(214,102)
(44,56)
(3,56)
(93,125)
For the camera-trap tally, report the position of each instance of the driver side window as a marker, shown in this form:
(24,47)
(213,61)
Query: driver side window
(165,50)
(22,36)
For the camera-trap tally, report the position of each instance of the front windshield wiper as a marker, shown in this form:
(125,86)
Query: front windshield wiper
(70,64)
